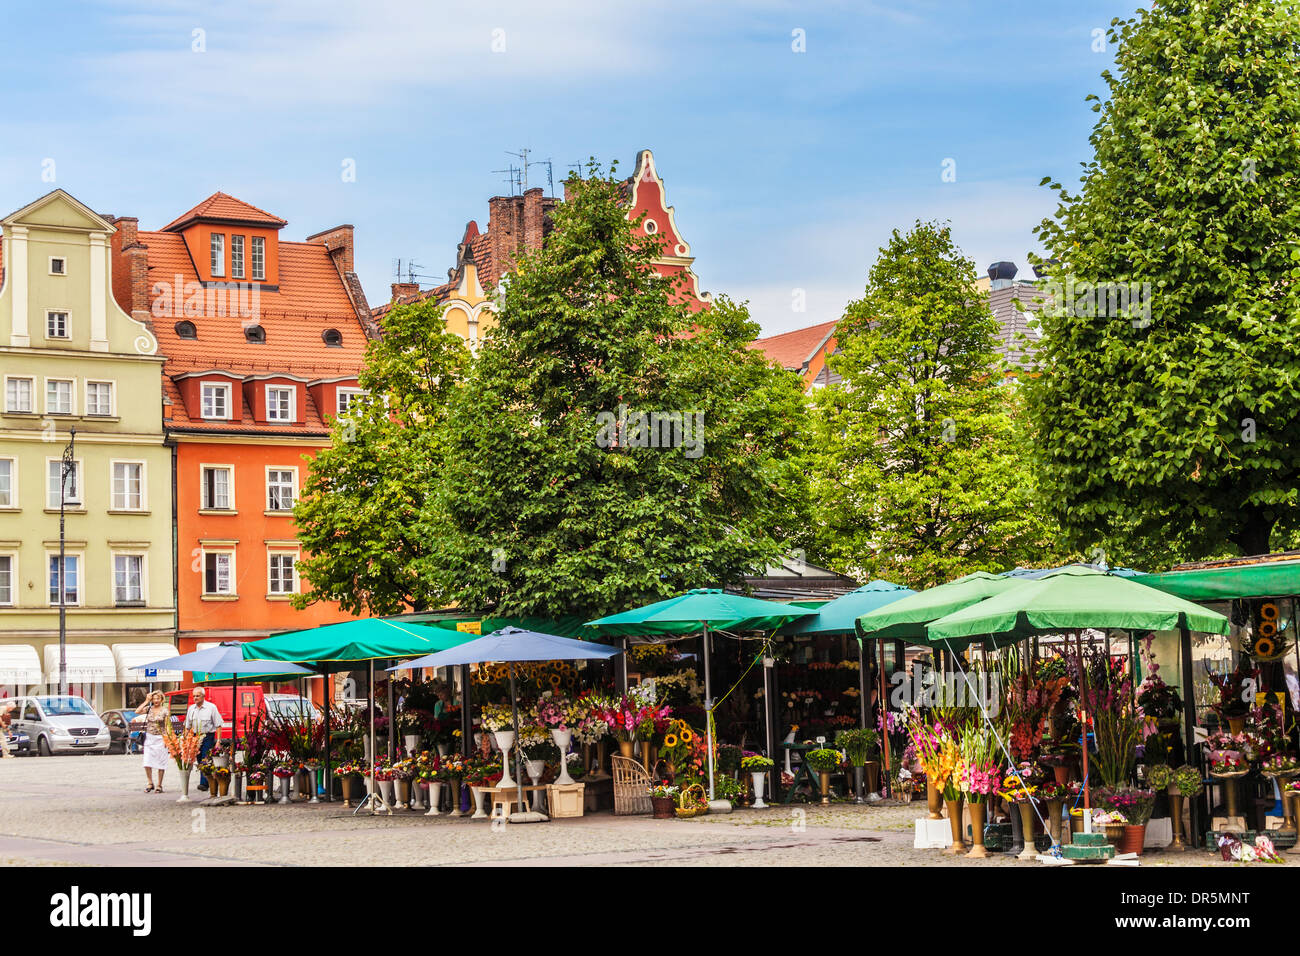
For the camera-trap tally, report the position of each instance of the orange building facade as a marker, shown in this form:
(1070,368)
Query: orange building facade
(264,340)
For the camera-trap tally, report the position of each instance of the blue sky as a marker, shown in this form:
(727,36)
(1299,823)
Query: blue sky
(787,169)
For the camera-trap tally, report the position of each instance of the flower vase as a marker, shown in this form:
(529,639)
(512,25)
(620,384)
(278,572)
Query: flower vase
(625,749)
(562,740)
(185,786)
(346,780)
(435,794)
(454,797)
(221,760)
(758,779)
(648,757)
(386,792)
(601,762)
(1237,725)
(978,811)
(1054,821)
(535,769)
(826,786)
(1017,832)
(1176,821)
(1061,773)
(1134,838)
(1027,831)
(443,750)
(933,801)
(505,740)
(402,788)
(479,796)
(313,785)
(873,776)
(857,786)
(954,821)
(418,790)
(412,741)
(285,784)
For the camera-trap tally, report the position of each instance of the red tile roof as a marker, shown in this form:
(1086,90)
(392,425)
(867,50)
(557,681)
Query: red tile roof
(227,209)
(795,349)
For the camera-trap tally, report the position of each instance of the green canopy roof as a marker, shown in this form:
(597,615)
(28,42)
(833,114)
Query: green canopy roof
(840,616)
(700,607)
(906,618)
(569,626)
(1070,599)
(1266,579)
(365,639)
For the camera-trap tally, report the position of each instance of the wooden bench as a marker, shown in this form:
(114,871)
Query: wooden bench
(508,797)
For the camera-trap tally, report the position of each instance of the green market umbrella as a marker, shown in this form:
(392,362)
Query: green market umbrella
(906,618)
(840,615)
(364,639)
(696,611)
(1073,598)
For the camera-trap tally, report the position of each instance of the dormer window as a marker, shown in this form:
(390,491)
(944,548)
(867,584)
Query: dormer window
(279,403)
(258,256)
(332,338)
(255,335)
(185,330)
(217,245)
(236,257)
(216,400)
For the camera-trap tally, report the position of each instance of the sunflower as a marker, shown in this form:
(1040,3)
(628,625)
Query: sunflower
(670,741)
(1268,612)
(1264,648)
(687,736)
(555,680)
(1268,629)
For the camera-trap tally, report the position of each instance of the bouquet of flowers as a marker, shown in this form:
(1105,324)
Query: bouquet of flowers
(352,768)
(1226,762)
(452,766)
(1279,763)
(1134,805)
(823,760)
(285,768)
(589,724)
(1101,818)
(663,791)
(1188,780)
(1051,790)
(857,744)
(535,742)
(676,748)
(1232,689)
(497,717)
(183,747)
(977,774)
(383,770)
(1156,698)
(756,763)
(554,711)
(482,771)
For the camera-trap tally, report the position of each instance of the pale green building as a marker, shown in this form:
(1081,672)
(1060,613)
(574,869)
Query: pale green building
(71,358)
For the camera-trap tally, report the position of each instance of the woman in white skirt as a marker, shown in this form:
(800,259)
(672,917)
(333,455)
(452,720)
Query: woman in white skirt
(156,757)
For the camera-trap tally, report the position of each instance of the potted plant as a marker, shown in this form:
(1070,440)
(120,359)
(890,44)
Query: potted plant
(663,797)
(758,767)
(859,744)
(1136,806)
(825,762)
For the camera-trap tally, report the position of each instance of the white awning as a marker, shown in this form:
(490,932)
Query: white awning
(131,656)
(19,664)
(86,664)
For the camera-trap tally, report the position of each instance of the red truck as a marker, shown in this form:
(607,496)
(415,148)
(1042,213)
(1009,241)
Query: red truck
(252,702)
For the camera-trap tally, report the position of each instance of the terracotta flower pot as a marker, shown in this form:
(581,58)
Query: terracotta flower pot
(954,821)
(1062,774)
(977,816)
(1135,835)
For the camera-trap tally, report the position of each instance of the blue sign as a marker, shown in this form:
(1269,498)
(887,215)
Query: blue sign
(150,672)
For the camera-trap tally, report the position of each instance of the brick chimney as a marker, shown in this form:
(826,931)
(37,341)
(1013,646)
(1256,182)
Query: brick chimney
(130,266)
(505,232)
(404,292)
(534,219)
(338,242)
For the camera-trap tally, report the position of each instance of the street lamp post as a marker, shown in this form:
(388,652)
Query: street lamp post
(68,466)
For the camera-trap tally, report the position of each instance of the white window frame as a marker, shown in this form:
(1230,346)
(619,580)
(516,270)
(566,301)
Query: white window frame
(12,504)
(350,394)
(237,273)
(67,324)
(64,260)
(52,554)
(203,402)
(78,485)
(112,484)
(13,578)
(273,553)
(112,397)
(230,574)
(257,257)
(72,394)
(31,394)
(204,468)
(293,490)
(143,599)
(217,254)
(293,403)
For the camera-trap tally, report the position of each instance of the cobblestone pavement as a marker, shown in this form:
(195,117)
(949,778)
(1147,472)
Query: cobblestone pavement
(91,810)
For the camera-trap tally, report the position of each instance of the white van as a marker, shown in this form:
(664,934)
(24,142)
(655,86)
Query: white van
(60,725)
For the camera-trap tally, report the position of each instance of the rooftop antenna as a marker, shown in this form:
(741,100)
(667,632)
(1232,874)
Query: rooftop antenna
(512,177)
(522,156)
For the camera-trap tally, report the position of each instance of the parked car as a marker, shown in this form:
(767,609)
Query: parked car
(20,745)
(58,724)
(125,733)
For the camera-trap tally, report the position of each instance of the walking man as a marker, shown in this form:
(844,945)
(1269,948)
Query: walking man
(203,718)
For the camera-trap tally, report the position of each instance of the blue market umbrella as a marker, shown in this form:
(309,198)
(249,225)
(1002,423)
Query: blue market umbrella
(227,658)
(512,645)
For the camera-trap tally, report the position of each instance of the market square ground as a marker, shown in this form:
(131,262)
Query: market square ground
(92,811)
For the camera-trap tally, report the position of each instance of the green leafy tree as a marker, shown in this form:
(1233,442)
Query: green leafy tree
(1169,426)
(555,504)
(366,506)
(921,471)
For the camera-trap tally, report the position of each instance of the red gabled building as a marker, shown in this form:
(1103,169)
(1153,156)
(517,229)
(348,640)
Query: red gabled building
(264,339)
